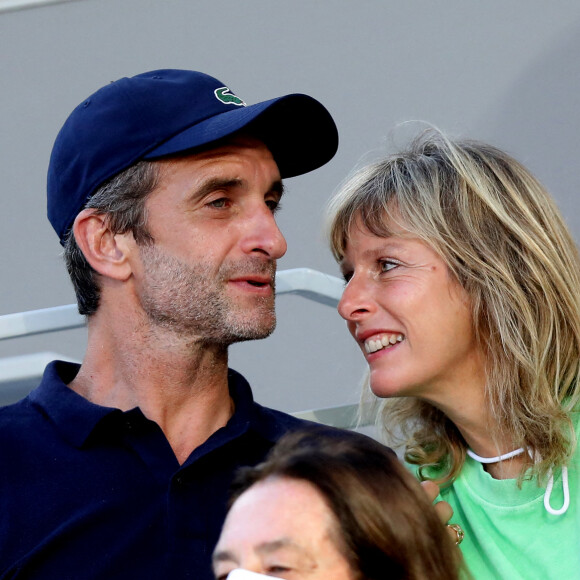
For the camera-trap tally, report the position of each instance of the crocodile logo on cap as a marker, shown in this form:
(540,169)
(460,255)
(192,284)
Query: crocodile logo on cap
(226,96)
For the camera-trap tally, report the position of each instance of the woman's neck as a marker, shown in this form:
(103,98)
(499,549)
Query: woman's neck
(482,433)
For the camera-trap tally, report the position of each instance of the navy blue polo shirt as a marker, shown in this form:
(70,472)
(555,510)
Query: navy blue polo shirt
(91,492)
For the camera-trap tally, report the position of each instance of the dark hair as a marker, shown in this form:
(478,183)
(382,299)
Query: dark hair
(122,200)
(386,526)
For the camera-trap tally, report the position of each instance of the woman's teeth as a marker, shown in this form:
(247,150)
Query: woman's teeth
(385,341)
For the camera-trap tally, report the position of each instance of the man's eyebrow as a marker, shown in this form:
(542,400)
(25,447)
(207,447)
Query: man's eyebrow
(217,183)
(214,184)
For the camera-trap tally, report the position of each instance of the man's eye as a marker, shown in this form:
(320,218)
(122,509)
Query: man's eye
(274,205)
(219,203)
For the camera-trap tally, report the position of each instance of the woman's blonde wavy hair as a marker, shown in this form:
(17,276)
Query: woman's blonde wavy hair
(502,236)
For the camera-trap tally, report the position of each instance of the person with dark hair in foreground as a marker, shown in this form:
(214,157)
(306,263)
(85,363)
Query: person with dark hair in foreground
(334,506)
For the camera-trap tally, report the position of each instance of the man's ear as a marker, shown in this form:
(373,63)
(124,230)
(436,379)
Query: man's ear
(106,252)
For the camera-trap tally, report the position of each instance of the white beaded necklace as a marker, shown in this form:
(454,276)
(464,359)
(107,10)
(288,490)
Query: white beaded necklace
(549,487)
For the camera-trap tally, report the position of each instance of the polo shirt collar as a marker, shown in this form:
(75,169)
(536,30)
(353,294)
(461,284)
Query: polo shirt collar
(73,415)
(77,418)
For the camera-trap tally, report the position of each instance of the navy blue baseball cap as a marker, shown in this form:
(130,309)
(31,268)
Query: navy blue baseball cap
(169,112)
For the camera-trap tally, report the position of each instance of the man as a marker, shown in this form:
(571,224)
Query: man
(162,189)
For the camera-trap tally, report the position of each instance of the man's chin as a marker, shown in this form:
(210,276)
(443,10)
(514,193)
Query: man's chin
(252,329)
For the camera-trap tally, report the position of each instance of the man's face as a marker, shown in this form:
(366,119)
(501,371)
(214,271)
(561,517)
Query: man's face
(209,273)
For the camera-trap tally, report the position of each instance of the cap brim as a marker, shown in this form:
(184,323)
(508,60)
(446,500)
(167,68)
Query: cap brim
(297,129)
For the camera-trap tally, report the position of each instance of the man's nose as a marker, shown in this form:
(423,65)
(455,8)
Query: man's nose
(262,234)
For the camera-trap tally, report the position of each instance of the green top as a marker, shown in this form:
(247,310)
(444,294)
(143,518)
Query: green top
(508,532)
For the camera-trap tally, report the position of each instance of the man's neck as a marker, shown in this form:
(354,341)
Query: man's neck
(181,385)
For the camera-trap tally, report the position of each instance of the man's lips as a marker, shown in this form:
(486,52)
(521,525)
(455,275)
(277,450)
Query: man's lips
(256,282)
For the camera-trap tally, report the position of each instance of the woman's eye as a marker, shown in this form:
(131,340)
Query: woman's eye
(346,277)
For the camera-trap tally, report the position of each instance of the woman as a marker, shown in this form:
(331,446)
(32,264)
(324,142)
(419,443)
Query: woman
(463,290)
(333,505)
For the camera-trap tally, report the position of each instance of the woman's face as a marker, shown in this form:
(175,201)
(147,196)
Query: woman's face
(410,317)
(281,527)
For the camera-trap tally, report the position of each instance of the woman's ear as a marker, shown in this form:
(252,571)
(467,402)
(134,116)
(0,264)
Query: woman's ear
(106,252)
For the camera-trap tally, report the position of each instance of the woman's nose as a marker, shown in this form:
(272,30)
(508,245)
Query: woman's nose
(355,301)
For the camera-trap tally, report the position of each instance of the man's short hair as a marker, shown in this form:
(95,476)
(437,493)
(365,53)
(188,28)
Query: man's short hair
(122,201)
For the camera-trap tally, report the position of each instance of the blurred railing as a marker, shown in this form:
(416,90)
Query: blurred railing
(10,5)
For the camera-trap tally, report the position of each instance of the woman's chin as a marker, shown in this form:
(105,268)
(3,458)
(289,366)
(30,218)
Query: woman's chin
(386,387)
(386,390)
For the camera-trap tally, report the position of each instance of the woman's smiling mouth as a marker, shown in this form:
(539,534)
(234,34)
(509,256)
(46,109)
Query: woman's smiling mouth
(379,342)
